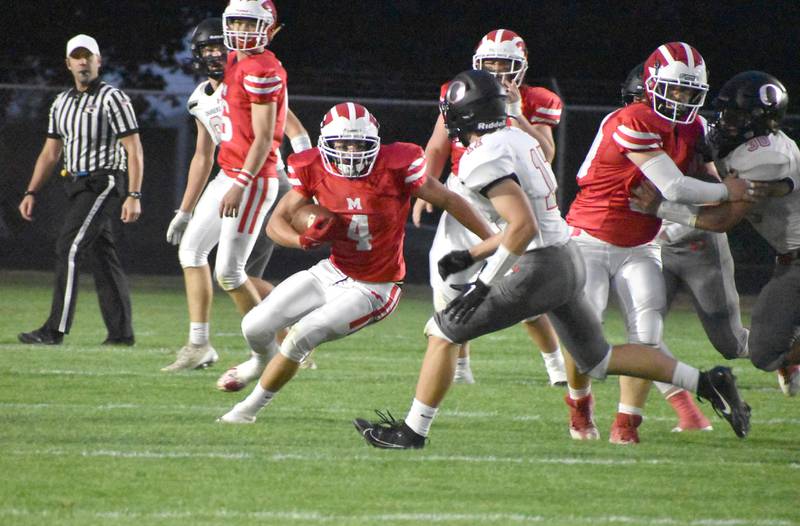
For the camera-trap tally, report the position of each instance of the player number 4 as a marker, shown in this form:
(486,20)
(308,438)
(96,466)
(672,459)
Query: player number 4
(358,231)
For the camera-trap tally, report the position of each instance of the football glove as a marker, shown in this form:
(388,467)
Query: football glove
(322,230)
(455,261)
(177,227)
(461,309)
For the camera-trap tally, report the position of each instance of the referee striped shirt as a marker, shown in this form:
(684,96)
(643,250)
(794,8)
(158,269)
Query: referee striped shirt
(90,124)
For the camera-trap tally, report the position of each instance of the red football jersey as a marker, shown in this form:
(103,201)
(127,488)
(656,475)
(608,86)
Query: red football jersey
(256,79)
(607,175)
(539,106)
(374,208)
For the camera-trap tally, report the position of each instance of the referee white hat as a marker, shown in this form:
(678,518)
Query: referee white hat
(84,41)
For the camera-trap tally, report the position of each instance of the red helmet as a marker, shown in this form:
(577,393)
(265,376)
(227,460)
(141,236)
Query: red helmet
(348,141)
(503,44)
(676,81)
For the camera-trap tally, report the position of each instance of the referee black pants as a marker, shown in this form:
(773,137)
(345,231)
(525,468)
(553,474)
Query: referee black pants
(94,204)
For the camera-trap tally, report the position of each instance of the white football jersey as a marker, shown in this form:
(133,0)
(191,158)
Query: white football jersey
(205,104)
(511,152)
(772,158)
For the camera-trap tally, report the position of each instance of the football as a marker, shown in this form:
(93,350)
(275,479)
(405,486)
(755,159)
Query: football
(306,214)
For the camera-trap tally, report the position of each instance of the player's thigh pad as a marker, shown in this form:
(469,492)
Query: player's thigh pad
(776,318)
(595,253)
(202,233)
(238,234)
(639,285)
(579,329)
(349,305)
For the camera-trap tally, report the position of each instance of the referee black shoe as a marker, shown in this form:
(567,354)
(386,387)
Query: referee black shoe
(41,337)
(718,386)
(122,342)
(389,433)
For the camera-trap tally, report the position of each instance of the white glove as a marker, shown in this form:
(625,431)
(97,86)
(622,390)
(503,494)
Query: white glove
(178,226)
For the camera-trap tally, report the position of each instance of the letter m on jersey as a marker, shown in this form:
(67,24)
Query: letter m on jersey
(354,204)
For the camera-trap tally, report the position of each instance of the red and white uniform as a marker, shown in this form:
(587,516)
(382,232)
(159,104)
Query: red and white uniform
(616,242)
(256,79)
(539,106)
(357,285)
(607,175)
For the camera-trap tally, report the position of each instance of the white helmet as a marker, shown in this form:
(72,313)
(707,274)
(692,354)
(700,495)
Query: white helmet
(503,44)
(676,81)
(348,140)
(262,12)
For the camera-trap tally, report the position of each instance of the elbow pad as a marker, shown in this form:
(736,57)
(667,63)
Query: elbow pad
(675,186)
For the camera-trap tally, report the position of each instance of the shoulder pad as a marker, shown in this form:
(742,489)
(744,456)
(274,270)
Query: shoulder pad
(304,158)
(400,155)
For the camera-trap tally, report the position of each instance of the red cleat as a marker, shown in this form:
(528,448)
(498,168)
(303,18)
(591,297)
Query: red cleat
(690,418)
(581,418)
(624,430)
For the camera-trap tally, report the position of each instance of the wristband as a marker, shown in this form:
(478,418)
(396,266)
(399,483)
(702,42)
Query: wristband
(243,178)
(300,143)
(135,195)
(514,109)
(500,263)
(678,213)
(29,192)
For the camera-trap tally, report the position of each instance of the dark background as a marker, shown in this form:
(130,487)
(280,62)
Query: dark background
(366,49)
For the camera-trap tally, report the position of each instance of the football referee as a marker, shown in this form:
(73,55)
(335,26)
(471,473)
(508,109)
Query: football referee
(94,126)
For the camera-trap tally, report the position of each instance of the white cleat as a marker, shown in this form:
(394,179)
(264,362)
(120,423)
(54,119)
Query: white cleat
(237,416)
(237,378)
(789,380)
(193,357)
(463,375)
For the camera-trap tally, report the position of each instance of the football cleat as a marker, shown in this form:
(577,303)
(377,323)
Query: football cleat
(581,418)
(624,430)
(237,415)
(690,418)
(388,433)
(193,357)
(463,375)
(789,380)
(236,378)
(718,386)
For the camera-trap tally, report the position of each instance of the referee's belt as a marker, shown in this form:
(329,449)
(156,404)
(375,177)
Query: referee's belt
(78,175)
(789,258)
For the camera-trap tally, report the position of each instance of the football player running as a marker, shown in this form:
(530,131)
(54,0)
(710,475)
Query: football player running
(535,268)
(749,142)
(368,186)
(205,104)
(231,211)
(699,261)
(655,139)
(535,110)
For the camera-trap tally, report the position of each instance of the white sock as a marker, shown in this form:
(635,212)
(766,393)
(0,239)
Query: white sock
(554,358)
(463,363)
(629,409)
(420,417)
(579,393)
(257,400)
(686,376)
(198,333)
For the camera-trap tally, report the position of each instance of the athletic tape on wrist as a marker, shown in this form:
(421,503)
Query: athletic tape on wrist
(497,266)
(678,213)
(300,143)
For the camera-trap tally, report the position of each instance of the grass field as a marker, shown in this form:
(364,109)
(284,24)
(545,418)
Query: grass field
(94,435)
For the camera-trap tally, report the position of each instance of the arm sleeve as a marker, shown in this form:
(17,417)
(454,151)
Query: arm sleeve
(674,186)
(52,126)
(121,115)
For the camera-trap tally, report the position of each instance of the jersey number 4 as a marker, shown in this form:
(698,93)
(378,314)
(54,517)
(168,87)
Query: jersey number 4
(358,231)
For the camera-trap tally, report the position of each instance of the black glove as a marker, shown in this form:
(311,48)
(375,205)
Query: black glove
(461,309)
(454,261)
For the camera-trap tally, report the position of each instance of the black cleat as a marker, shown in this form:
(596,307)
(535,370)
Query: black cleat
(41,337)
(389,433)
(718,386)
(122,342)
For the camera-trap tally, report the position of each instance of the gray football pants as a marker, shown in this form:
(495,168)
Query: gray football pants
(547,280)
(703,265)
(776,318)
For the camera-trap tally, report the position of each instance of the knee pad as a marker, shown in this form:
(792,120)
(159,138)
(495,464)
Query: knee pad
(296,347)
(600,371)
(647,328)
(432,329)
(230,279)
(191,258)
(260,339)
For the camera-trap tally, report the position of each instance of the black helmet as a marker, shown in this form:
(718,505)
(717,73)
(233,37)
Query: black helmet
(633,87)
(475,102)
(750,104)
(208,32)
